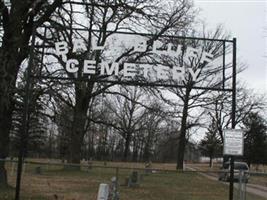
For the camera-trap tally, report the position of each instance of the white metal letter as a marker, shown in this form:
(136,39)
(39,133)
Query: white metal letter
(129,70)
(206,57)
(191,52)
(62,49)
(193,73)
(157,44)
(78,45)
(162,72)
(178,73)
(140,46)
(114,68)
(89,67)
(95,47)
(71,65)
(146,69)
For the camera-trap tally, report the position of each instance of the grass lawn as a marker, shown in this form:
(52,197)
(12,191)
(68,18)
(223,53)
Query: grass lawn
(81,185)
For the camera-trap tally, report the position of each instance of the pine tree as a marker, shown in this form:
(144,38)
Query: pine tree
(211,145)
(255,139)
(37,120)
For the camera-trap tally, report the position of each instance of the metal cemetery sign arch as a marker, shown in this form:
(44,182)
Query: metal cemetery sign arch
(130,57)
(77,54)
(137,59)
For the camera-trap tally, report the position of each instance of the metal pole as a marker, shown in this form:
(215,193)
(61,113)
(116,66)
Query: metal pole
(243,185)
(117,178)
(231,185)
(116,197)
(223,64)
(245,191)
(24,133)
(240,184)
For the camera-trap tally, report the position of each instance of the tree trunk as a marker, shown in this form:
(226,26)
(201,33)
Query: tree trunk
(182,136)
(135,155)
(5,125)
(210,163)
(13,50)
(3,175)
(76,141)
(127,146)
(82,96)
(148,143)
(135,150)
(77,137)
(8,75)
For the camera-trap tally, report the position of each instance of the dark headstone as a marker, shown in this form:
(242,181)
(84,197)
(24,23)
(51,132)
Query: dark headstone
(141,177)
(126,183)
(148,167)
(90,165)
(38,170)
(134,179)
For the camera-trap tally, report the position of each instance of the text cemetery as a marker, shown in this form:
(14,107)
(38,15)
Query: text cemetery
(130,70)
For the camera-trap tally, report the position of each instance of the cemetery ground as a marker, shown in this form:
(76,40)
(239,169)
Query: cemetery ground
(53,181)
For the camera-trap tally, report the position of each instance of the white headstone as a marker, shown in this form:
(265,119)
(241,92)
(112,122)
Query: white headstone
(103,192)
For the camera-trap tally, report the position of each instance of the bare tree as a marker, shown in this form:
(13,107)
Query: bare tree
(191,99)
(220,110)
(153,121)
(128,115)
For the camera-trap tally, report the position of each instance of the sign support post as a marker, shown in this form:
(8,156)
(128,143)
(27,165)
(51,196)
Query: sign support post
(231,185)
(233,146)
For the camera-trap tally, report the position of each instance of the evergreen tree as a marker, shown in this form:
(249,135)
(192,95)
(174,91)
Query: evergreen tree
(255,139)
(211,145)
(37,132)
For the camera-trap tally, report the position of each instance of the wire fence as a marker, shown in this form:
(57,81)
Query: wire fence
(129,181)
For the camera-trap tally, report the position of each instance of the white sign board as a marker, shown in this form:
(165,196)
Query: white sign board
(233,142)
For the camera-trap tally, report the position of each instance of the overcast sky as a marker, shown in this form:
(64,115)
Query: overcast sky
(247,21)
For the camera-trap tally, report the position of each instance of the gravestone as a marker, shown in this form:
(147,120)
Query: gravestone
(90,165)
(148,167)
(114,193)
(141,177)
(38,170)
(103,192)
(134,179)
